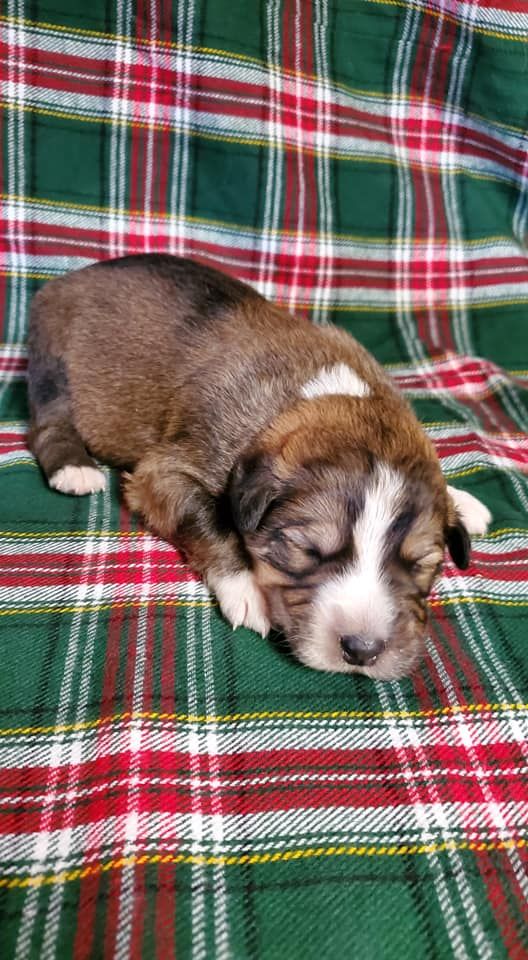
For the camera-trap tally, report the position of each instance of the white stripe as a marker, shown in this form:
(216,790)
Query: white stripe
(86,651)
(128,874)
(404,305)
(504,726)
(67,595)
(16,178)
(221,63)
(301,139)
(275,830)
(59,263)
(426,174)
(191,743)
(109,544)
(152,111)
(216,825)
(494,810)
(215,830)
(451,185)
(323,144)
(117,173)
(403,243)
(231,127)
(434,819)
(243,237)
(57,751)
(369,298)
(274,153)
(183,66)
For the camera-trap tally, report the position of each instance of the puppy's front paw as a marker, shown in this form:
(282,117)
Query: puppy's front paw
(241,601)
(78,480)
(474,515)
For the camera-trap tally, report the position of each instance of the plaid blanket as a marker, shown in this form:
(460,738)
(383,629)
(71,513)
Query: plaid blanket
(168,786)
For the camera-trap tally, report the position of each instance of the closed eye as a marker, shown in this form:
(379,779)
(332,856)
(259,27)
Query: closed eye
(335,556)
(314,554)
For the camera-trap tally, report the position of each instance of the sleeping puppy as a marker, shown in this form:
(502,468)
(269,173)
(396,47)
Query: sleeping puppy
(278,455)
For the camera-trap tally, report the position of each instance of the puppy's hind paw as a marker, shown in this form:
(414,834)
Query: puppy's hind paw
(78,480)
(241,601)
(474,515)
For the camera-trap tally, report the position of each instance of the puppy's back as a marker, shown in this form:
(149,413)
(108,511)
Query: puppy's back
(155,348)
(129,333)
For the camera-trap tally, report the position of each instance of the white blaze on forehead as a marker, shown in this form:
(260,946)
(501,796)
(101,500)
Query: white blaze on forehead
(337,379)
(383,499)
(359,600)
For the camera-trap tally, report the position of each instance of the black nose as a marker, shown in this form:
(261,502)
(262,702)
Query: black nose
(360,652)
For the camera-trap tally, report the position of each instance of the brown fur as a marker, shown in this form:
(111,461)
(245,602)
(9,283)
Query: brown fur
(192,381)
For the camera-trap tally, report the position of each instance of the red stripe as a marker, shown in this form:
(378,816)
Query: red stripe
(250,100)
(282,795)
(448,753)
(515,6)
(50,240)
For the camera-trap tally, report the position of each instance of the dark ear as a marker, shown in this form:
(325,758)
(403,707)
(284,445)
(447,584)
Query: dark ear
(458,544)
(252,489)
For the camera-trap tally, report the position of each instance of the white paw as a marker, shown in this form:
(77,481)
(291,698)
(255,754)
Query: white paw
(78,480)
(474,515)
(241,601)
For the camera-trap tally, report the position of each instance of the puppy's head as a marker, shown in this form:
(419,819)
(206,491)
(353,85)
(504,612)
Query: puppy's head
(346,547)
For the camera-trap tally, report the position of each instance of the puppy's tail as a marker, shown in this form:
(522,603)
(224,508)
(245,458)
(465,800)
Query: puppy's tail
(52,436)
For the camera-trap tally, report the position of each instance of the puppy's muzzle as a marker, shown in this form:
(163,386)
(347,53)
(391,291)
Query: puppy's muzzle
(359,652)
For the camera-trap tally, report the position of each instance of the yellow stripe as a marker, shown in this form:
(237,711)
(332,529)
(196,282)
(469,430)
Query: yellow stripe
(29,275)
(336,307)
(133,715)
(118,605)
(440,423)
(246,141)
(25,535)
(254,231)
(466,473)
(495,602)
(360,308)
(457,21)
(139,604)
(138,41)
(247,58)
(280,856)
(66,534)
(25,462)
(135,604)
(505,530)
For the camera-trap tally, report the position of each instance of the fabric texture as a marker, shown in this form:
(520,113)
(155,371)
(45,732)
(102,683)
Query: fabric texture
(169,787)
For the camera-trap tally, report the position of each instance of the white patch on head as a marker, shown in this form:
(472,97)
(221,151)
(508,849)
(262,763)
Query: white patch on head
(358,601)
(78,480)
(474,515)
(241,601)
(340,379)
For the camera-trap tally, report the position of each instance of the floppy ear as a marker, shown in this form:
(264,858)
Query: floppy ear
(458,543)
(252,489)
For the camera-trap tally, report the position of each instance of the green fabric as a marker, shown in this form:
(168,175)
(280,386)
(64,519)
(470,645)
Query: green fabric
(169,787)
